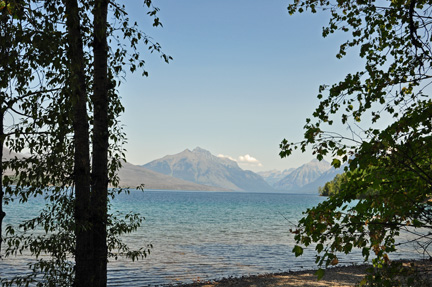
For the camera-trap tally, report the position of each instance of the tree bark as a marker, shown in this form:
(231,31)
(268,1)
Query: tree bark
(77,87)
(2,213)
(100,102)
(4,81)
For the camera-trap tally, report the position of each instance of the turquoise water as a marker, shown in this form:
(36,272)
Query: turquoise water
(204,236)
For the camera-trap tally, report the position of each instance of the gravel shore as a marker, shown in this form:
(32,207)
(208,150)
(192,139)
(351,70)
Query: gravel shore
(337,276)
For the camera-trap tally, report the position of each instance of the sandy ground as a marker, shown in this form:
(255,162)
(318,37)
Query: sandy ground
(338,277)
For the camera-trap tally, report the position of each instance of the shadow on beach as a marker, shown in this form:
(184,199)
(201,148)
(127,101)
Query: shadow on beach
(336,276)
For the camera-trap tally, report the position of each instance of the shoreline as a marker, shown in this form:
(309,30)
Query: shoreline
(342,276)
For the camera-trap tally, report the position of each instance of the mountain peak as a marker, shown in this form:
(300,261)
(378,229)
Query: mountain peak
(303,175)
(200,150)
(200,166)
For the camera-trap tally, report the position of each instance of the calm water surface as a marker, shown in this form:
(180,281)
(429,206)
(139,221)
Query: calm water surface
(204,235)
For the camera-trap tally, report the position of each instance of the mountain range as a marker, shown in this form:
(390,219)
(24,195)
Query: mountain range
(135,175)
(198,169)
(325,177)
(201,167)
(132,176)
(274,175)
(303,175)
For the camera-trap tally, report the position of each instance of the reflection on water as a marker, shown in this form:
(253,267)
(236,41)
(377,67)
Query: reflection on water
(203,236)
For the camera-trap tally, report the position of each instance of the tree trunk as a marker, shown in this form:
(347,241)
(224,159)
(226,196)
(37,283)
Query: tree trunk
(100,142)
(2,213)
(4,82)
(77,87)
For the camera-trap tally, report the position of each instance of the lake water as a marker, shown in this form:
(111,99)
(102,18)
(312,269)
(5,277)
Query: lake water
(204,236)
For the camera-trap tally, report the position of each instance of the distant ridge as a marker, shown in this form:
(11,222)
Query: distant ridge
(8,155)
(199,170)
(302,176)
(134,175)
(274,175)
(327,176)
(200,166)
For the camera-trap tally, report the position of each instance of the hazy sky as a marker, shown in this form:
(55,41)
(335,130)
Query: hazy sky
(245,75)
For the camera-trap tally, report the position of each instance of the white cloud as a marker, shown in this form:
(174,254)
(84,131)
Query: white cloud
(246,160)
(226,156)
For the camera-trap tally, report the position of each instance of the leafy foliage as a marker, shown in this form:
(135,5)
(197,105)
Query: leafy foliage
(393,38)
(335,186)
(332,187)
(35,84)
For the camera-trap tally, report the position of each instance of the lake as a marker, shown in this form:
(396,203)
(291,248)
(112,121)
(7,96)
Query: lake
(204,236)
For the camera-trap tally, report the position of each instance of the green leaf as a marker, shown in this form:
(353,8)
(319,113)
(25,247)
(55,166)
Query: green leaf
(297,250)
(336,163)
(389,154)
(320,273)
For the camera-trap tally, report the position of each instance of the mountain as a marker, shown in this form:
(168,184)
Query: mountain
(327,176)
(8,155)
(134,175)
(273,176)
(200,166)
(305,174)
(200,170)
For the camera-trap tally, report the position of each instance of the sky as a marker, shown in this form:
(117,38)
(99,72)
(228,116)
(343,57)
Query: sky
(245,75)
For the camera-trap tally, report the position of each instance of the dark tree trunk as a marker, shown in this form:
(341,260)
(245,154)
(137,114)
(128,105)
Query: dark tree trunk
(77,87)
(2,213)
(4,81)
(100,142)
